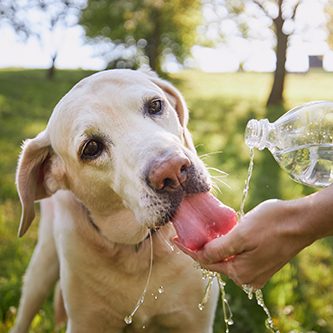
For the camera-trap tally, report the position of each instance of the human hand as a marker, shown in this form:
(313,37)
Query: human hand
(262,242)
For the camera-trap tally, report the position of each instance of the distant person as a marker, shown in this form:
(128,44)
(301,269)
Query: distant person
(267,237)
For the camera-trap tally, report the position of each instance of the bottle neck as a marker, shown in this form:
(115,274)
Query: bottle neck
(256,133)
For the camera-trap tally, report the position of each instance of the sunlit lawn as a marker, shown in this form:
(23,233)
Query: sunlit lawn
(300,296)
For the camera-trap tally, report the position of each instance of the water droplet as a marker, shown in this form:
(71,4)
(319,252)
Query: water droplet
(128,320)
(143,327)
(160,290)
(230,321)
(248,290)
(155,297)
(201,306)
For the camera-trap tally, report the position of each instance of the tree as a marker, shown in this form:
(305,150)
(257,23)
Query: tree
(40,19)
(276,18)
(54,14)
(282,13)
(158,27)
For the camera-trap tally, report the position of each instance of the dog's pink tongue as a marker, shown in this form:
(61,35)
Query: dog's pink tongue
(201,218)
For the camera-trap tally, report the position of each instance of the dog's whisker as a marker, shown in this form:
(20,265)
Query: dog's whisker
(210,153)
(128,319)
(216,189)
(220,181)
(216,186)
(218,171)
(199,145)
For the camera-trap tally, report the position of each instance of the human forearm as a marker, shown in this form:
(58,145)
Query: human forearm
(316,211)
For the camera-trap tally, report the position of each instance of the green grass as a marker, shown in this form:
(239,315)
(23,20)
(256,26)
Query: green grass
(299,296)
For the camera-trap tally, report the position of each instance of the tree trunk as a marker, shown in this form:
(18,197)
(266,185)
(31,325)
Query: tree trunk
(153,54)
(153,48)
(276,95)
(51,70)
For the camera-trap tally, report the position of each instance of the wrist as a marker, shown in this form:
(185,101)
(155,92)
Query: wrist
(303,224)
(314,214)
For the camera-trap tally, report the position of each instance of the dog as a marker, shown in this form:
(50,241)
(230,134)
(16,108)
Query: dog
(110,170)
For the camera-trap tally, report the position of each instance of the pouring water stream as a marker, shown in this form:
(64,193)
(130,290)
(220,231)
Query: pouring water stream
(246,288)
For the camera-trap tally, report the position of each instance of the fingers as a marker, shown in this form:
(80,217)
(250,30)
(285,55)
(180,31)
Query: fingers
(237,268)
(222,248)
(218,250)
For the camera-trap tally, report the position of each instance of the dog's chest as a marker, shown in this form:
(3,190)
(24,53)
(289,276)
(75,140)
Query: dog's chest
(116,285)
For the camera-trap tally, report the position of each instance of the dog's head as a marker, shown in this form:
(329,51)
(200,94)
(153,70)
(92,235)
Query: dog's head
(118,138)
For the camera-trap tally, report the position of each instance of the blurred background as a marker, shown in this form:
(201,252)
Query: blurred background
(232,60)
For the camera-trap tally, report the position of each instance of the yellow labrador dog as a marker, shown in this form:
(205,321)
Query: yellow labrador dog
(114,161)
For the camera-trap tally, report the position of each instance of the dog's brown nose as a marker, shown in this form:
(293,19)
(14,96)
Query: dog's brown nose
(168,173)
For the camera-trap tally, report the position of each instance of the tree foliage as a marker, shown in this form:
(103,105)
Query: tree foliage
(264,19)
(329,12)
(157,27)
(12,13)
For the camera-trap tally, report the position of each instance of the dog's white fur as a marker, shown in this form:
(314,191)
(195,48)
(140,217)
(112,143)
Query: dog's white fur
(95,214)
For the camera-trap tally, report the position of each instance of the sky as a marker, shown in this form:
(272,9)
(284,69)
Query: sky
(256,55)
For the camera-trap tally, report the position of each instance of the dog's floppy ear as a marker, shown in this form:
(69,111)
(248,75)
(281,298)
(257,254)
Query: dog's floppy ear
(33,167)
(177,101)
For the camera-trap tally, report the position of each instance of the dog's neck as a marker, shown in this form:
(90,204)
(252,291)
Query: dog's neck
(118,229)
(119,226)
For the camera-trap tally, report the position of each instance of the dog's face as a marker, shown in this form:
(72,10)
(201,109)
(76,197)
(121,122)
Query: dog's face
(118,138)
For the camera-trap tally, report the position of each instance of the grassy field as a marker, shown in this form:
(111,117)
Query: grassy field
(299,296)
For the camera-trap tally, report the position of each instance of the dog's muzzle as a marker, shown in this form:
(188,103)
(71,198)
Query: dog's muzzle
(169,172)
(172,176)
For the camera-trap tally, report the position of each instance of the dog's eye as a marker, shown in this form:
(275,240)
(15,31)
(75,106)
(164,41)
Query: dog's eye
(155,106)
(91,150)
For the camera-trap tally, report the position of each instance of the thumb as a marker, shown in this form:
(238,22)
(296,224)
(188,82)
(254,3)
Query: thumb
(187,251)
(222,248)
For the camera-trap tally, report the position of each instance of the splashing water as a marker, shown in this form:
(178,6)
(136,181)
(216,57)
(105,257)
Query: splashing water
(260,301)
(210,276)
(269,321)
(246,288)
(129,318)
(227,314)
(160,291)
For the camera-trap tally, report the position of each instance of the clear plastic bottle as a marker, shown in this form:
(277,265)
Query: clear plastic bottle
(301,141)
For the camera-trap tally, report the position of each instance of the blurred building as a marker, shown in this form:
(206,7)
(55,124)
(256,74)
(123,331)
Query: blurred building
(316,61)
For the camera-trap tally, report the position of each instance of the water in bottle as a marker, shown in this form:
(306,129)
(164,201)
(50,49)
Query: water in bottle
(301,141)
